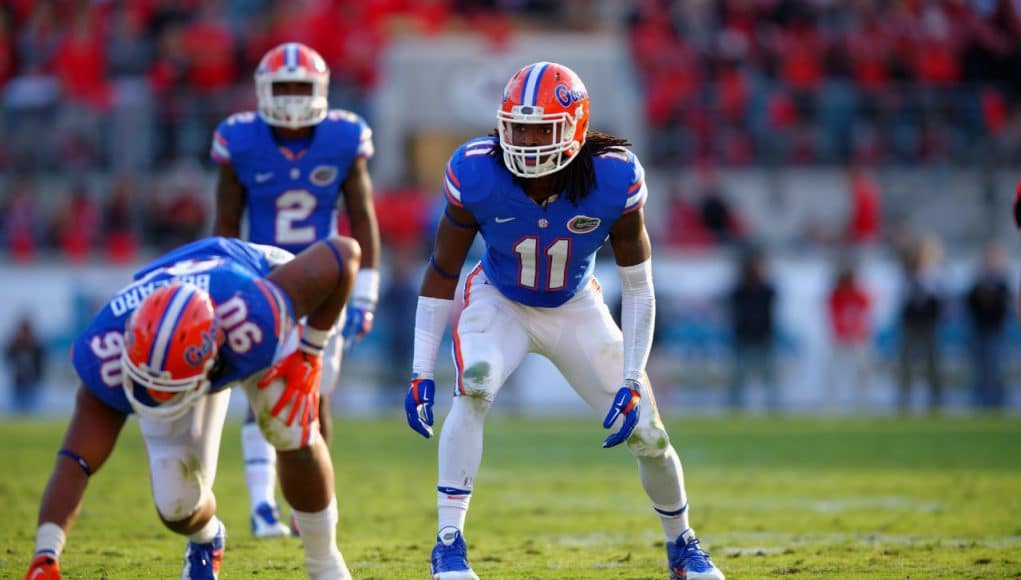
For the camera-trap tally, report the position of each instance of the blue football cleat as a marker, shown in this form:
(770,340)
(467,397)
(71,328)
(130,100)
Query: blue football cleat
(688,561)
(266,522)
(202,561)
(450,557)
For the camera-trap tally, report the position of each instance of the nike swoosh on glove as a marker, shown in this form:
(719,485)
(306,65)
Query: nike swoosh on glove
(626,403)
(418,405)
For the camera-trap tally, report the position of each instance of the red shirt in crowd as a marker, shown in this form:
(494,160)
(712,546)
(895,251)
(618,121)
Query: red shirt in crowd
(849,313)
(80,64)
(866,211)
(210,49)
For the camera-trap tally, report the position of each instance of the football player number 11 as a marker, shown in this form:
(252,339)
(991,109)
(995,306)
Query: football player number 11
(556,256)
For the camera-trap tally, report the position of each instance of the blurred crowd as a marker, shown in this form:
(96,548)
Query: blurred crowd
(804,81)
(137,84)
(113,224)
(108,107)
(131,90)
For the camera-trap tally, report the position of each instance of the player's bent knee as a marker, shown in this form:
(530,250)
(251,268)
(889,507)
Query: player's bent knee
(478,381)
(289,438)
(472,404)
(178,487)
(648,442)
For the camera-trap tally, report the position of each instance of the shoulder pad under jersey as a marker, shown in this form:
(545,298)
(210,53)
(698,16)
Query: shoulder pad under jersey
(471,173)
(350,131)
(234,136)
(621,179)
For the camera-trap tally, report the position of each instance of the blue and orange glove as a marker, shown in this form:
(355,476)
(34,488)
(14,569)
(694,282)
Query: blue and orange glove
(43,567)
(300,372)
(626,403)
(418,405)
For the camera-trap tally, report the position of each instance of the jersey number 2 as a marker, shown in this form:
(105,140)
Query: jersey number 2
(293,206)
(557,255)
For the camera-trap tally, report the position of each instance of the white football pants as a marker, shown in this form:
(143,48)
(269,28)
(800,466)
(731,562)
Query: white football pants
(581,339)
(183,453)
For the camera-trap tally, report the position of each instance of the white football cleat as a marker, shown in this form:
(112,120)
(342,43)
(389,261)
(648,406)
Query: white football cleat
(266,522)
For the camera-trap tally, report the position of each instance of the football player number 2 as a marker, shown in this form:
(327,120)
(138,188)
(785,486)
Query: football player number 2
(555,258)
(294,206)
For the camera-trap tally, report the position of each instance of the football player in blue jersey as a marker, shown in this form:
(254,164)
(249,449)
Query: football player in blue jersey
(281,173)
(201,319)
(545,194)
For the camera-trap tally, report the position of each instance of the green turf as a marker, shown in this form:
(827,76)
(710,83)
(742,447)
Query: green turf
(848,498)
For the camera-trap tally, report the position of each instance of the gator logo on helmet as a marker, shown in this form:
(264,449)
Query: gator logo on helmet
(196,355)
(581,224)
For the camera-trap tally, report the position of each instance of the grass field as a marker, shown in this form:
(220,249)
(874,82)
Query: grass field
(847,498)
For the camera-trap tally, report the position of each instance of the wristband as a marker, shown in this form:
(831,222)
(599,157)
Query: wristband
(313,340)
(366,287)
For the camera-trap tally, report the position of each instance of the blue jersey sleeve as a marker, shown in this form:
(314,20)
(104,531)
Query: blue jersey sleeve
(622,180)
(96,356)
(349,131)
(257,321)
(231,137)
(469,176)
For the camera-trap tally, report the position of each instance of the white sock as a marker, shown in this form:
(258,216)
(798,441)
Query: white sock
(319,534)
(207,532)
(460,452)
(674,519)
(49,540)
(663,480)
(260,466)
(452,507)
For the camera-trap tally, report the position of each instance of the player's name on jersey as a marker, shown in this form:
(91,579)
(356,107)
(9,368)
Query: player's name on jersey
(133,295)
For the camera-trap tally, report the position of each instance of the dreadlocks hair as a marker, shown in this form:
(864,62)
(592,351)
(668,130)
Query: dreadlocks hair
(578,178)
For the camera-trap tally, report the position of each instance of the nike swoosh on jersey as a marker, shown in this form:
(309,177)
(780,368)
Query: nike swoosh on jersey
(504,220)
(261,177)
